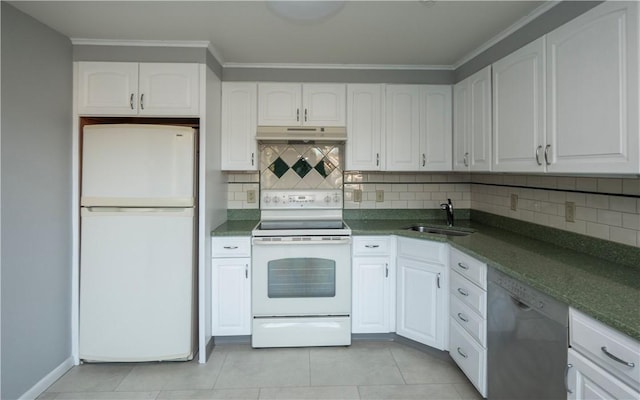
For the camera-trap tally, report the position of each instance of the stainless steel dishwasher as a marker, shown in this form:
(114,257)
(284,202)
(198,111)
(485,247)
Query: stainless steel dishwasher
(527,341)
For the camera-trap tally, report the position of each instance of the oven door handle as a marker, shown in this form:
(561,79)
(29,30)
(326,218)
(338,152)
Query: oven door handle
(289,242)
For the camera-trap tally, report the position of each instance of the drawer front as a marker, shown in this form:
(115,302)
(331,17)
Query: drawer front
(470,294)
(371,245)
(231,247)
(467,318)
(424,250)
(595,340)
(469,267)
(470,357)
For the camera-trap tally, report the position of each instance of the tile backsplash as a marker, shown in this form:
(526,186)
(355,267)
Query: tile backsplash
(606,208)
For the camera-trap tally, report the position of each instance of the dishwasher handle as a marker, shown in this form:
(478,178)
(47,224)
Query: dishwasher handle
(520,304)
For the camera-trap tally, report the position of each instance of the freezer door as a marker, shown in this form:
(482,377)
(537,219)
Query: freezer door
(136,284)
(130,165)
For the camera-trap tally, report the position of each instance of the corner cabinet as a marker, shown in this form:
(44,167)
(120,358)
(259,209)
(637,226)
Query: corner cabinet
(418,128)
(365,123)
(373,293)
(472,122)
(295,104)
(239,124)
(592,92)
(138,89)
(422,297)
(231,286)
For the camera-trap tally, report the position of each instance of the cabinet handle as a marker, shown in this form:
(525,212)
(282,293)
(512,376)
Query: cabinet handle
(253,157)
(131,101)
(546,154)
(465,159)
(566,378)
(438,281)
(616,359)
(463,266)
(230,247)
(142,101)
(306,115)
(371,246)
(246,271)
(462,317)
(463,292)
(538,155)
(377,159)
(386,270)
(461,353)
(298,114)
(424,160)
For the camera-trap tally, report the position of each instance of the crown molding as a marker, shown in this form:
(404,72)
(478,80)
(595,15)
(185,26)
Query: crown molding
(140,43)
(340,66)
(546,6)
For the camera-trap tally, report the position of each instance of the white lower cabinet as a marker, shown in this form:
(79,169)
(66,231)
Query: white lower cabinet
(231,286)
(373,292)
(422,298)
(602,362)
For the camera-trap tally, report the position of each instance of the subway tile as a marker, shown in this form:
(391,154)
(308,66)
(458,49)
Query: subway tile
(577,226)
(557,222)
(566,183)
(598,230)
(624,204)
(557,197)
(598,201)
(580,199)
(407,196)
(631,221)
(631,186)
(587,184)
(400,187)
(609,185)
(586,214)
(623,235)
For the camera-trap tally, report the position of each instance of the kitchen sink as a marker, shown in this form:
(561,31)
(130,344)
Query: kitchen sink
(438,231)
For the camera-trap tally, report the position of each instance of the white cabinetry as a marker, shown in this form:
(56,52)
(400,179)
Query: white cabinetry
(472,122)
(422,281)
(418,128)
(145,89)
(231,286)
(373,304)
(294,104)
(518,110)
(468,317)
(365,120)
(592,92)
(239,123)
(603,363)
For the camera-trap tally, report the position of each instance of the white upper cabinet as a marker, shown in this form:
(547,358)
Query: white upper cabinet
(418,128)
(294,104)
(364,127)
(518,110)
(146,89)
(239,123)
(592,92)
(472,123)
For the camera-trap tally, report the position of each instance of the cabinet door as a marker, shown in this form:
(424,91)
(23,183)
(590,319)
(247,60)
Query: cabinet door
(371,305)
(169,89)
(402,127)
(239,123)
(279,104)
(592,92)
(421,302)
(107,88)
(585,380)
(518,110)
(231,287)
(460,126)
(435,128)
(324,104)
(364,127)
(479,143)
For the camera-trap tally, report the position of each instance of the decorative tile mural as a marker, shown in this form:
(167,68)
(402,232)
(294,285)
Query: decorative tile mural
(300,166)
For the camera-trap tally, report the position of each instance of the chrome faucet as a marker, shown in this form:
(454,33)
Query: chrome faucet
(448,207)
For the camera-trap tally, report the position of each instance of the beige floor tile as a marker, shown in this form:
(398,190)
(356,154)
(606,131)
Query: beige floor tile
(108,396)
(265,368)
(467,391)
(47,396)
(241,394)
(313,392)
(173,375)
(92,378)
(407,392)
(418,367)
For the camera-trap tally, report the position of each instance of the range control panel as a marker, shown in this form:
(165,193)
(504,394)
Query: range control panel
(297,199)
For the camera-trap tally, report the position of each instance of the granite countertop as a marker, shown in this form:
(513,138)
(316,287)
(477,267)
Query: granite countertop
(607,290)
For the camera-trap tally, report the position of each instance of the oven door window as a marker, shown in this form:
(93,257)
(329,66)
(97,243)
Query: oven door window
(301,277)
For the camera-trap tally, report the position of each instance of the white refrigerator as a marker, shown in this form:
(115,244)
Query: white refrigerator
(137,243)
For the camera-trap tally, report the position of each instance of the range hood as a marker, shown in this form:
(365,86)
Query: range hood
(301,134)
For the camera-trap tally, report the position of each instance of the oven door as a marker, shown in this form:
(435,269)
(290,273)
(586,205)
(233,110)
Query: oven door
(301,276)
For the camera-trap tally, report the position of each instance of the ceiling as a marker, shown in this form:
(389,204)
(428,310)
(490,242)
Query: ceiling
(415,34)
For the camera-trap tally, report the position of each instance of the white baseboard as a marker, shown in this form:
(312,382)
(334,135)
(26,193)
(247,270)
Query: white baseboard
(37,389)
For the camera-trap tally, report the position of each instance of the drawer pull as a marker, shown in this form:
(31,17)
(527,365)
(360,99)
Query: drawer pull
(463,266)
(371,246)
(462,317)
(566,378)
(230,247)
(461,353)
(463,292)
(616,359)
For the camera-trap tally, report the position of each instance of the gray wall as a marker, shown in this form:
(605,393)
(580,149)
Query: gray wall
(36,201)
